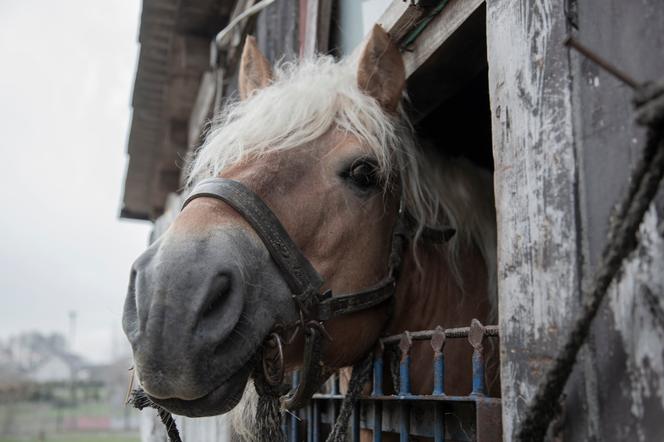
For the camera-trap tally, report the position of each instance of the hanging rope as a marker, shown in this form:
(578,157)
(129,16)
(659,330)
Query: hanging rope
(138,399)
(360,376)
(622,240)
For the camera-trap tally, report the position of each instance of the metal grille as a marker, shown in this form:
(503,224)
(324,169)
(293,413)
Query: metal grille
(474,417)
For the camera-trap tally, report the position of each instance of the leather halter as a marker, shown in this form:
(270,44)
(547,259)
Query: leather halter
(304,281)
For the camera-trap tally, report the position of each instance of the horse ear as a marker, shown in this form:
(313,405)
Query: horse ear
(255,70)
(381,73)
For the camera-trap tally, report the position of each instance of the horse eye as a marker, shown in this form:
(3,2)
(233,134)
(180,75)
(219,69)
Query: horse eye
(363,174)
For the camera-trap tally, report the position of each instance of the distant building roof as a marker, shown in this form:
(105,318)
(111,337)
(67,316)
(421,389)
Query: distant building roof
(175,49)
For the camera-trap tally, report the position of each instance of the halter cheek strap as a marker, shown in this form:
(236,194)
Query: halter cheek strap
(314,307)
(303,280)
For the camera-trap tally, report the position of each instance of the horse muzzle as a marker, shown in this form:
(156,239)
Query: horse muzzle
(197,310)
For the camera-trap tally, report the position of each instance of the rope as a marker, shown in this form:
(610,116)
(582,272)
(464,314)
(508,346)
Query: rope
(622,240)
(138,399)
(361,374)
(268,412)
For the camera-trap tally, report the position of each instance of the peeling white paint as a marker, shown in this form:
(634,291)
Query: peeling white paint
(642,336)
(535,187)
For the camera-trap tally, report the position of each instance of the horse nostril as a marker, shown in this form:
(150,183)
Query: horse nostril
(217,294)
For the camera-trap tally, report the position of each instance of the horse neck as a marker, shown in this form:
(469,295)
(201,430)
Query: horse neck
(428,293)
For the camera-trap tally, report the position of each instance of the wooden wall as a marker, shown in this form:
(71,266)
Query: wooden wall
(564,142)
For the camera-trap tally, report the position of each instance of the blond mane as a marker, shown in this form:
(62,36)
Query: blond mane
(306,100)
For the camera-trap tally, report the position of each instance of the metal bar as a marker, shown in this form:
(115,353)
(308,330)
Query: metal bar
(377,421)
(378,374)
(294,427)
(601,62)
(404,365)
(432,398)
(404,422)
(335,391)
(335,383)
(437,343)
(310,423)
(316,421)
(450,333)
(476,338)
(356,422)
(479,389)
(439,423)
(439,374)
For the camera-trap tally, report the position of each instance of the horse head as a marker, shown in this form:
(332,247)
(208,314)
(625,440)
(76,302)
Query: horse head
(324,146)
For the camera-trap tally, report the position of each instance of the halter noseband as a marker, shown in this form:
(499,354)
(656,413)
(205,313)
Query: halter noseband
(314,307)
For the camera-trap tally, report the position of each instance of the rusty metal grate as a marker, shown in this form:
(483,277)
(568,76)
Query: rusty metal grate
(474,417)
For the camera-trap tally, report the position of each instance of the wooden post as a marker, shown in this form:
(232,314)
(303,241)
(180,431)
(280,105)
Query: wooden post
(536,191)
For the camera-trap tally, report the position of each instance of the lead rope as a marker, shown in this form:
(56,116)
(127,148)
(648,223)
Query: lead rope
(138,399)
(360,376)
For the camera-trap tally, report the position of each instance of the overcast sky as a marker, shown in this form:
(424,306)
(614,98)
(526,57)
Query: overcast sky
(66,75)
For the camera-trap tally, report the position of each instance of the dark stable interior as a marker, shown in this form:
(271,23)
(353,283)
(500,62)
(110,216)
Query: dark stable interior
(449,95)
(461,125)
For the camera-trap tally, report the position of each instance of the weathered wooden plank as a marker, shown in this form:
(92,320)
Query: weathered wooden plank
(309,29)
(438,31)
(399,18)
(624,370)
(535,186)
(324,24)
(277,30)
(202,108)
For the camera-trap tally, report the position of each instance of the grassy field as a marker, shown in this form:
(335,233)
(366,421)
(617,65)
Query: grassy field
(26,421)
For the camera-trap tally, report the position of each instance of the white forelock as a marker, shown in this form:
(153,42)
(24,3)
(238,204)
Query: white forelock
(308,99)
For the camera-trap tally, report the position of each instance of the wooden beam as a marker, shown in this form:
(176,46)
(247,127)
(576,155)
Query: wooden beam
(536,192)
(399,18)
(202,109)
(402,18)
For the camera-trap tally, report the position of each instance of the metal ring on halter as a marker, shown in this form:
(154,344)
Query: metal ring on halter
(273,360)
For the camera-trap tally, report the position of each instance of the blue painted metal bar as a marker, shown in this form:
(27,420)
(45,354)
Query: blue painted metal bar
(404,376)
(475,338)
(377,421)
(378,374)
(326,406)
(294,424)
(294,428)
(439,374)
(310,423)
(316,421)
(404,365)
(404,422)
(356,422)
(437,343)
(335,383)
(479,389)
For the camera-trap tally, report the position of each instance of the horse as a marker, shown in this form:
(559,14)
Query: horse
(328,147)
